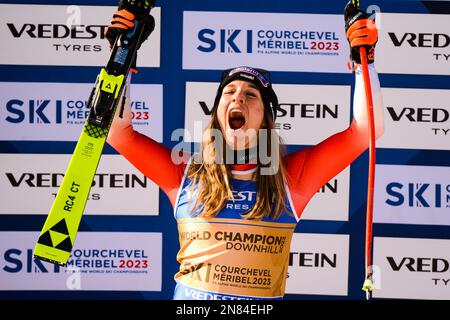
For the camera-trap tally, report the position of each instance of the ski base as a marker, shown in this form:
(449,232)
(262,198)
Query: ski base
(43,253)
(58,234)
(61,226)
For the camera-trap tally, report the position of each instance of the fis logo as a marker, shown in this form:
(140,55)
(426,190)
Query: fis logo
(225,41)
(420,195)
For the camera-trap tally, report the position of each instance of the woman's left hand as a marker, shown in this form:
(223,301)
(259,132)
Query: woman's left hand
(360,31)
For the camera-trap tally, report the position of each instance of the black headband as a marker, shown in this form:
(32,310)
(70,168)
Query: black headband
(259,77)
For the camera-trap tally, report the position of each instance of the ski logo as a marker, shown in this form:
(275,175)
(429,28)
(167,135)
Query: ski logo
(57,237)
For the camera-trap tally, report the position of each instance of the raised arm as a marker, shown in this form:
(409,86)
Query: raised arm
(309,169)
(147,155)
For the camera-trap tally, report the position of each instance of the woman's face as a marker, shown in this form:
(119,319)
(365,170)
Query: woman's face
(240,114)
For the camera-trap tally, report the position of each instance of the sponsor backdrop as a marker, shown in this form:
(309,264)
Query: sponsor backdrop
(128,240)
(57,111)
(102,261)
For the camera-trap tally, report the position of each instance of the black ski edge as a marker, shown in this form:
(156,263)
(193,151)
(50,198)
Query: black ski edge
(49,260)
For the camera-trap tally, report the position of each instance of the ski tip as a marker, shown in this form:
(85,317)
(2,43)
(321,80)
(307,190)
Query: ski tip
(62,264)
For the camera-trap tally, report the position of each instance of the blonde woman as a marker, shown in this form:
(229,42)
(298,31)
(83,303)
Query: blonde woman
(237,202)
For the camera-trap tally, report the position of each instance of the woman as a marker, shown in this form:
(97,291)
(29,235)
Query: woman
(236,207)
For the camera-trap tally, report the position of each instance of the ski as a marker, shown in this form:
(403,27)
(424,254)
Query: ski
(57,236)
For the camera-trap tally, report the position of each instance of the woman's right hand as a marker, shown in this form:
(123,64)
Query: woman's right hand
(123,21)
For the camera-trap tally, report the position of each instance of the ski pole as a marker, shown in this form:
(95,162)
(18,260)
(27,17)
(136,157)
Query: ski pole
(368,283)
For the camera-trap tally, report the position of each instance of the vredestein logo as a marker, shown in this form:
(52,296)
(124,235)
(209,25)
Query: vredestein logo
(54,180)
(423,40)
(437,116)
(318,264)
(330,187)
(63,35)
(291,111)
(420,40)
(421,195)
(295,110)
(61,32)
(419,264)
(56,31)
(313,260)
(438,268)
(402,261)
(307,110)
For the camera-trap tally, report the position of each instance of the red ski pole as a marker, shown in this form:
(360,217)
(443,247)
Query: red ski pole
(355,33)
(368,283)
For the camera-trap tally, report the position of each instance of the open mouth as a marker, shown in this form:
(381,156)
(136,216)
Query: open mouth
(236,119)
